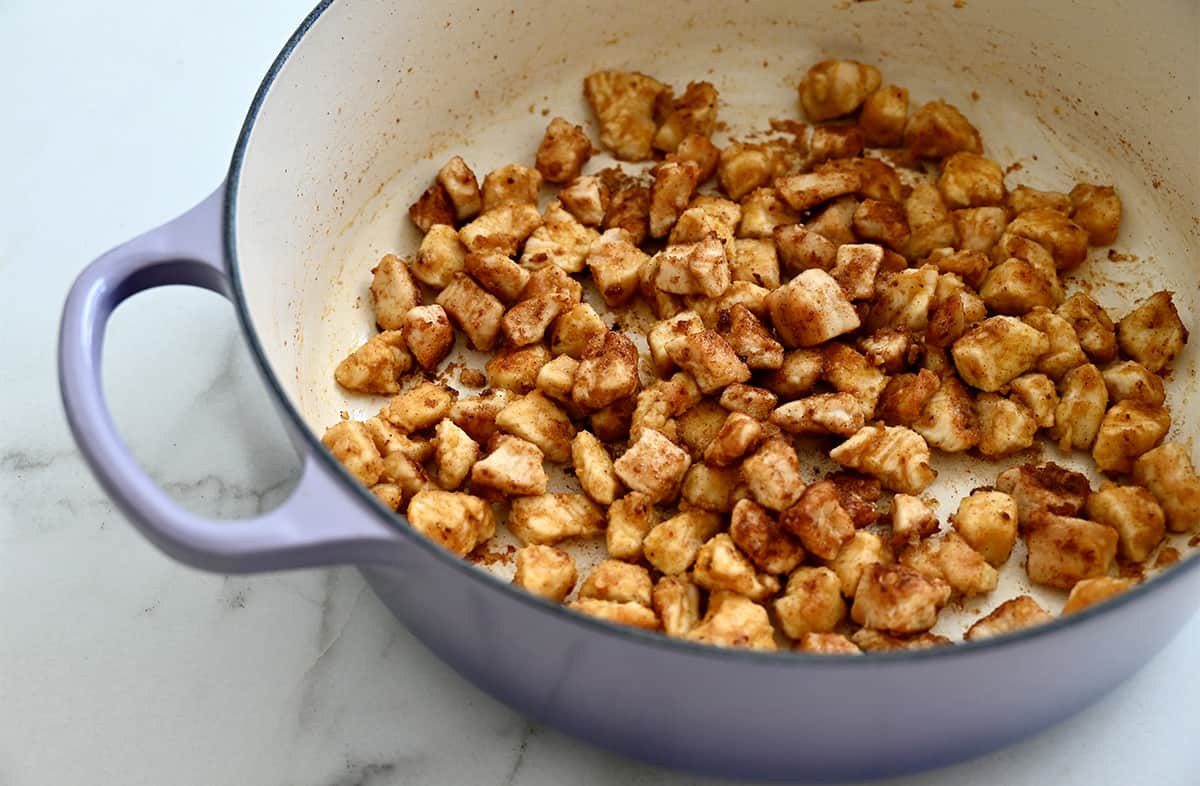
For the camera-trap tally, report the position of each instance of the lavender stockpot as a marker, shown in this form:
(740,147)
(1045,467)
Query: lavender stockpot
(360,109)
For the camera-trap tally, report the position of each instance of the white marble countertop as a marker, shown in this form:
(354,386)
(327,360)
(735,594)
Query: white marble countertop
(120,666)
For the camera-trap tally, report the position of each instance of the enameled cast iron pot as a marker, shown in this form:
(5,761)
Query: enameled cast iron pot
(357,113)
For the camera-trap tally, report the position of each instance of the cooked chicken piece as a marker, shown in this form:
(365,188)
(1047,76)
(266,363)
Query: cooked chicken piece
(896,455)
(970,180)
(510,185)
(693,113)
(350,443)
(763,210)
(1024,198)
(1089,592)
(1083,398)
(536,418)
(550,518)
(473,309)
(1020,612)
(713,488)
(433,207)
(477,415)
(905,397)
(458,522)
(632,614)
(615,263)
(1065,550)
(871,640)
(891,349)
(834,142)
(653,465)
(563,151)
(883,116)
(773,475)
(545,571)
(1063,238)
(812,603)
(699,268)
(1153,334)
(553,281)
(1098,210)
(1050,486)
(557,377)
(833,88)
(1038,394)
(903,299)
(1015,287)
(623,102)
(701,150)
(929,222)
(560,240)
(1168,473)
(420,407)
(514,467)
(587,198)
(1134,513)
(677,602)
(801,248)
(898,599)
(1006,426)
(710,360)
(527,321)
(376,366)
(629,209)
(759,535)
(671,546)
(405,474)
(1092,326)
(1128,430)
(455,454)
(987,521)
(749,338)
(912,520)
(573,330)
(826,644)
(970,266)
(819,521)
(393,291)
(629,519)
(948,421)
(824,413)
(866,548)
(618,581)
(461,187)
(811,309)
(721,566)
(951,559)
(498,274)
(997,352)
(674,184)
(1130,380)
(607,372)
(594,468)
(1064,353)
(938,129)
(389,439)
(743,167)
(516,370)
(739,435)
(734,621)
(979,228)
(612,424)
(806,191)
(659,404)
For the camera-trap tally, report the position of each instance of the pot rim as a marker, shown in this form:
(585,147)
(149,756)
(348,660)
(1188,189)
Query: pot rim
(469,571)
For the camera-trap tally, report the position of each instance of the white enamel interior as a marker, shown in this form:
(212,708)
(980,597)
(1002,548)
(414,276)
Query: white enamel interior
(378,94)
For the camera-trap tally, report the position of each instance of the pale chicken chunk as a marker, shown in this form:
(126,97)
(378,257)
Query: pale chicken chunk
(594,468)
(1098,210)
(1092,325)
(394,292)
(811,309)
(676,600)
(672,189)
(564,150)
(883,116)
(720,565)
(1153,334)
(671,546)
(866,548)
(1038,393)
(1006,426)
(350,443)
(807,190)
(1168,473)
(607,372)
(710,360)
(629,519)
(1134,513)
(502,229)
(1063,238)
(1128,430)
(903,299)
(733,620)
(455,454)
(536,418)
(898,599)
(376,366)
(952,559)
(997,352)
(458,522)
(824,413)
(653,465)
(1130,380)
(1088,592)
(1082,401)
(428,334)
(1065,550)
(896,455)
(773,475)
(949,421)
(551,518)
(819,520)
(623,102)
(587,198)
(461,188)
(474,310)
(693,113)
(511,184)
(545,571)
(615,263)
(812,603)
(1050,486)
(617,581)
(1012,615)
(560,240)
(513,467)
(938,129)
(970,180)
(833,88)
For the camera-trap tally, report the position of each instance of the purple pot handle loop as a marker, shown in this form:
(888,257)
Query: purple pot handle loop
(319,523)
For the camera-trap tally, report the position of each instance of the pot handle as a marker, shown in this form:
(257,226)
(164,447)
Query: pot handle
(312,527)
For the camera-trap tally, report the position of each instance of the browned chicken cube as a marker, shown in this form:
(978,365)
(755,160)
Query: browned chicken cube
(545,571)
(812,603)
(898,599)
(1153,334)
(458,522)
(623,102)
(1168,473)
(833,88)
(1020,612)
(1064,550)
